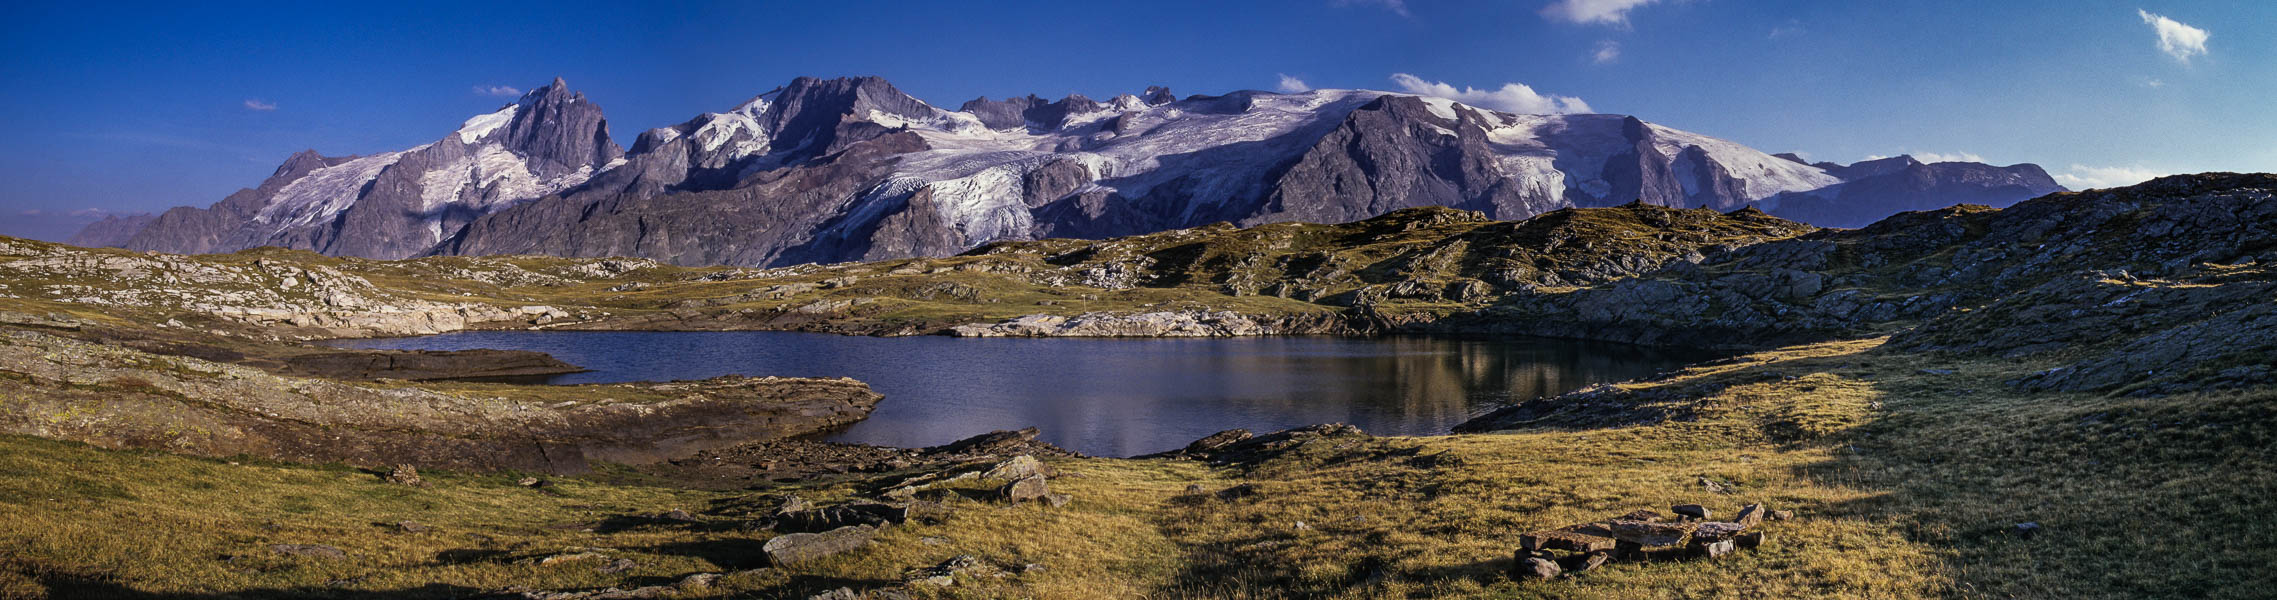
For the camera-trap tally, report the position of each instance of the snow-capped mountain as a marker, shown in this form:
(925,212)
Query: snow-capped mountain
(844,169)
(1873,189)
(400,204)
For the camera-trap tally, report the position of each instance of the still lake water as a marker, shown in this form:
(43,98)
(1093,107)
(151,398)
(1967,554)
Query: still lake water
(1106,397)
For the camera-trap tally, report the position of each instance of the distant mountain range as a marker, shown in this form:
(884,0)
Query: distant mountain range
(853,169)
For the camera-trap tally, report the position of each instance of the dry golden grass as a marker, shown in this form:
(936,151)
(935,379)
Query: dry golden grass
(1905,481)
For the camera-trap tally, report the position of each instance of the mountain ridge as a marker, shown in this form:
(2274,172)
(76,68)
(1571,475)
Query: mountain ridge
(828,170)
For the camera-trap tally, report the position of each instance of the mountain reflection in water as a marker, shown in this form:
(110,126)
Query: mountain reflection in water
(1108,397)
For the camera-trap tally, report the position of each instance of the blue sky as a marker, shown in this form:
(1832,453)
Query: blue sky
(137,108)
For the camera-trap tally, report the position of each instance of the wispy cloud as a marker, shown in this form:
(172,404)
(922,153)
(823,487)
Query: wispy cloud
(1791,29)
(1511,97)
(1398,7)
(2154,82)
(2081,177)
(1607,51)
(497,90)
(2175,38)
(1292,85)
(252,104)
(1599,12)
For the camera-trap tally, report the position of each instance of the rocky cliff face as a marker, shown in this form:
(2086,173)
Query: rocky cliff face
(398,204)
(854,169)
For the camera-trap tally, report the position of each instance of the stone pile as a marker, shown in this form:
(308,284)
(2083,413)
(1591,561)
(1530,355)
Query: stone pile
(1641,536)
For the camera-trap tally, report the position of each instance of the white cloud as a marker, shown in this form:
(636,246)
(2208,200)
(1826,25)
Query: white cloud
(1600,12)
(1398,7)
(2175,38)
(1607,51)
(259,105)
(1512,97)
(1292,85)
(2154,82)
(497,90)
(2081,177)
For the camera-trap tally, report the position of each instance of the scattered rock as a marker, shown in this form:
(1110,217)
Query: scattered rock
(676,515)
(531,482)
(308,550)
(1716,549)
(1571,539)
(1536,568)
(1641,515)
(406,475)
(410,527)
(1649,534)
(1579,563)
(933,541)
(1237,492)
(617,566)
(2025,531)
(1752,539)
(790,549)
(697,581)
(1030,488)
(1218,441)
(568,557)
(1691,511)
(945,574)
(1713,486)
(1017,468)
(1782,515)
(1749,516)
(1058,500)
(1716,531)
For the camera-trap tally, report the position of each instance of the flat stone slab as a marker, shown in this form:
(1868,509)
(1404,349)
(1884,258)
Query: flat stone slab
(1589,537)
(1717,531)
(1650,534)
(795,548)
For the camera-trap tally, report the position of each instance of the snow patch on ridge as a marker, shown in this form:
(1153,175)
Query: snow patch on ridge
(482,125)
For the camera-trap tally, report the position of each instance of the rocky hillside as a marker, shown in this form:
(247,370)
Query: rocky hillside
(824,171)
(1405,267)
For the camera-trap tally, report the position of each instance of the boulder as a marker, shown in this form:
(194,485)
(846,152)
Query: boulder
(1535,568)
(1583,562)
(405,475)
(1691,511)
(1029,488)
(1782,515)
(791,549)
(1752,539)
(1058,500)
(1017,468)
(1716,531)
(1749,516)
(1715,549)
